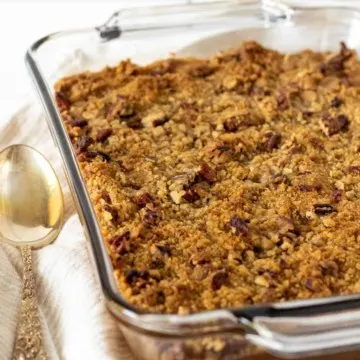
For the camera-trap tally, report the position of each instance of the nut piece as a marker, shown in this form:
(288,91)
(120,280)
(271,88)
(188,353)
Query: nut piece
(272,142)
(83,143)
(155,119)
(119,244)
(219,279)
(133,275)
(144,199)
(103,134)
(62,101)
(239,225)
(113,212)
(323,209)
(336,102)
(335,125)
(207,173)
(151,218)
(177,196)
(78,123)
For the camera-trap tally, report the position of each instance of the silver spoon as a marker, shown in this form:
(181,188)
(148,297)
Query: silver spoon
(31,216)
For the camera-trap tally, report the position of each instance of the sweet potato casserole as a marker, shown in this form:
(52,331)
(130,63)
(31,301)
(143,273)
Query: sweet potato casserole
(225,181)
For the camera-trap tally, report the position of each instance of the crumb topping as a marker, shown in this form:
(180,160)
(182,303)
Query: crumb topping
(225,181)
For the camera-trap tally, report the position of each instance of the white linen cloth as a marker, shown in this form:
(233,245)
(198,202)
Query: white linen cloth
(76,324)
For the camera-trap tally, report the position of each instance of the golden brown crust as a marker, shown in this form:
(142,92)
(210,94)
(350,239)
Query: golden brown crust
(223,182)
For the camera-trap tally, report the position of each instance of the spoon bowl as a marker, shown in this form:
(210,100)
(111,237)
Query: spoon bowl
(31,201)
(31,216)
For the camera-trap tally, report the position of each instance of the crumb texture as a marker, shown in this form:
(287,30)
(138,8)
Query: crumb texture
(225,181)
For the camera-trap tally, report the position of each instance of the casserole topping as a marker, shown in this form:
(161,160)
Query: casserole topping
(223,182)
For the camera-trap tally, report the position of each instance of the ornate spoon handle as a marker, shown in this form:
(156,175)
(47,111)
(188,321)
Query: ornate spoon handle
(29,342)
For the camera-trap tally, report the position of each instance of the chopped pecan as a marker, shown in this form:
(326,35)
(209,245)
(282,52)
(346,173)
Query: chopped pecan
(202,70)
(297,149)
(323,209)
(155,119)
(336,195)
(335,125)
(191,195)
(119,244)
(285,225)
(354,169)
(280,179)
(160,249)
(151,218)
(103,134)
(144,199)
(329,267)
(62,101)
(207,173)
(113,212)
(317,143)
(105,195)
(92,154)
(78,123)
(309,188)
(231,124)
(282,101)
(126,110)
(134,123)
(336,102)
(219,279)
(239,225)
(83,143)
(131,276)
(335,64)
(272,142)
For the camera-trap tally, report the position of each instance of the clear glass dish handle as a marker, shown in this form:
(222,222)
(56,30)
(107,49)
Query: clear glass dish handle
(297,329)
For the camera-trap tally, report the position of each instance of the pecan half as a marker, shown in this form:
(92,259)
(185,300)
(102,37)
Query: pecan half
(323,209)
(103,134)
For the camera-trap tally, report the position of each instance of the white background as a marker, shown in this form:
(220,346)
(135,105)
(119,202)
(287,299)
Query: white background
(21,23)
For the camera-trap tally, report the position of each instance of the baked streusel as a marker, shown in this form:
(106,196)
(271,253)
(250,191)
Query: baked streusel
(224,181)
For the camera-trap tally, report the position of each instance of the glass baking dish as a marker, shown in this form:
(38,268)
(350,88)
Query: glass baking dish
(327,327)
